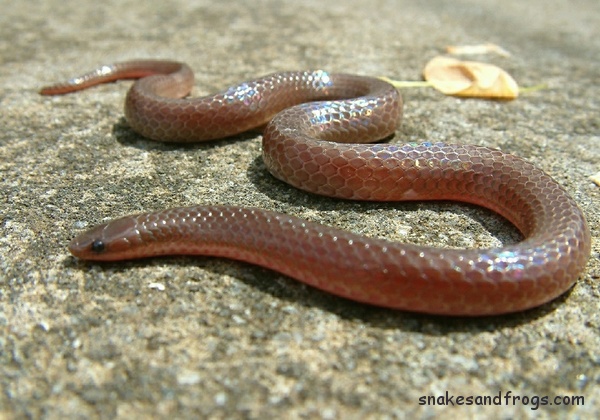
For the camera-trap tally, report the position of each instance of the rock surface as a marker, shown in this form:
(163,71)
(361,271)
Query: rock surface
(183,337)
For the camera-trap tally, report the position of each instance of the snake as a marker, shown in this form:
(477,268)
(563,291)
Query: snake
(325,133)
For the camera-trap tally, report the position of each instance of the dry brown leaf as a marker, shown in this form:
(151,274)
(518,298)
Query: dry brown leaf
(477,49)
(470,79)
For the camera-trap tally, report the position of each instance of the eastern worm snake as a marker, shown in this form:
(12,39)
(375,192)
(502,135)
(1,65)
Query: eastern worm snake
(318,147)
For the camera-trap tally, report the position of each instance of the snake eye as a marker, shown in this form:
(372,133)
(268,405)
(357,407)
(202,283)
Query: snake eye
(98,246)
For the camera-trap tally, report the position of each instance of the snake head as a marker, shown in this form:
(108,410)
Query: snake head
(107,242)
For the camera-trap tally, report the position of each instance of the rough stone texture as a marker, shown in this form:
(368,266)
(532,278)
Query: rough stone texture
(213,338)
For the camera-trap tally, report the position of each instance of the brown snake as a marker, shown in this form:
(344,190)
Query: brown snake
(315,146)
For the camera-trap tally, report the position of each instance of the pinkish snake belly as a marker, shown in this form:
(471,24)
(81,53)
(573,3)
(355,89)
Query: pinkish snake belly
(317,146)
